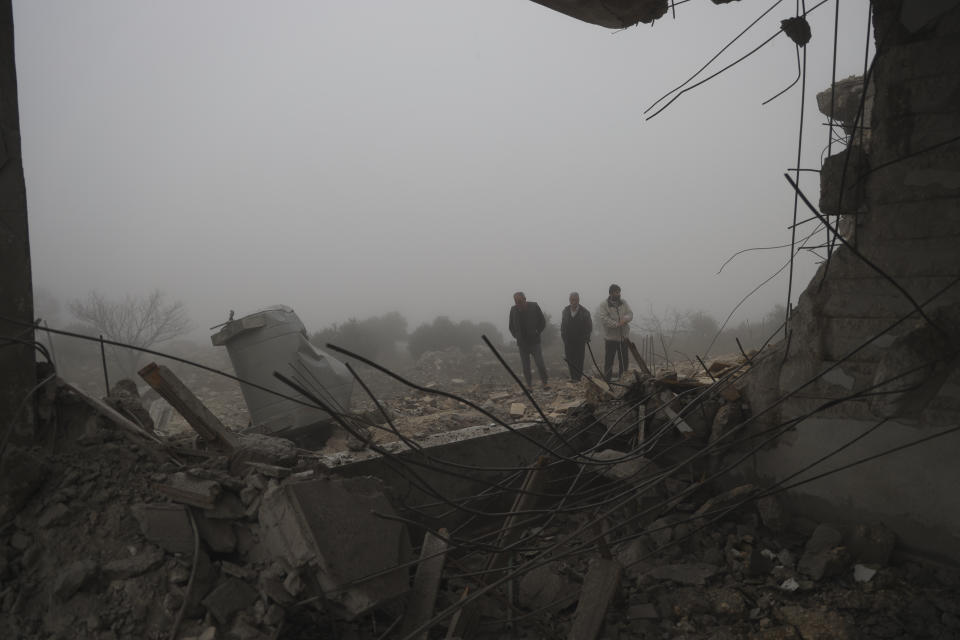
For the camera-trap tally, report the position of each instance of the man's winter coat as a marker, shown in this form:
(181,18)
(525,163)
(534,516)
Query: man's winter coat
(609,314)
(575,329)
(527,325)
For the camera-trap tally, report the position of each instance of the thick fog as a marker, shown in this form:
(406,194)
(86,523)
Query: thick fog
(428,156)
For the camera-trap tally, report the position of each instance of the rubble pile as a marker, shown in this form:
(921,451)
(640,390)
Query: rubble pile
(114,538)
(615,531)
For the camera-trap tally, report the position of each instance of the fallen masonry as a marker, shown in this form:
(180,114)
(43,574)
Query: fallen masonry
(614,520)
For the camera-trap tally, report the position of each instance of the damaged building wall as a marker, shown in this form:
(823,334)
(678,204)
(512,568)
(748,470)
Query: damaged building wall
(860,353)
(17,376)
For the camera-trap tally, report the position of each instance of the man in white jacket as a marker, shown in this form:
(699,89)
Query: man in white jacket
(614,315)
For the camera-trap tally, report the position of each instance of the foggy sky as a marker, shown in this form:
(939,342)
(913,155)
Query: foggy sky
(428,156)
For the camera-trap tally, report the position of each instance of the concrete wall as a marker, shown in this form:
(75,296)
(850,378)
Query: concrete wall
(17,375)
(907,222)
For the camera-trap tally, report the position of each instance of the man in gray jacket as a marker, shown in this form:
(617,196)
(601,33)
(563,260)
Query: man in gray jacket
(614,315)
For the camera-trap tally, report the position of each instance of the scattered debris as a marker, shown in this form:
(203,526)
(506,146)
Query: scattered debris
(131,534)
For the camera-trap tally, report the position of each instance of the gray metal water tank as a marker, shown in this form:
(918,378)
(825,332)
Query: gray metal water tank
(275,339)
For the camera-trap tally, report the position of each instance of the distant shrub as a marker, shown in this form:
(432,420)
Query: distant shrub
(443,333)
(375,338)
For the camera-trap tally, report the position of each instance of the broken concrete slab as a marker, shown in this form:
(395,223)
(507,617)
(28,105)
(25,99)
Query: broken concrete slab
(166,525)
(517,409)
(822,556)
(426,583)
(600,585)
(186,489)
(329,528)
(218,534)
(228,598)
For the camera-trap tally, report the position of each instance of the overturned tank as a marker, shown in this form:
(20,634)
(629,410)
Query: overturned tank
(275,340)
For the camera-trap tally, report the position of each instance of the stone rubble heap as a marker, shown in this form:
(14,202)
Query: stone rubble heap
(106,534)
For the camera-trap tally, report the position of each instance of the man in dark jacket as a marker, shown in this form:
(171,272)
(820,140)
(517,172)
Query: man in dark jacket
(526,325)
(575,329)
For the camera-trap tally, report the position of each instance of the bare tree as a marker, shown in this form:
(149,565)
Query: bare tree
(136,321)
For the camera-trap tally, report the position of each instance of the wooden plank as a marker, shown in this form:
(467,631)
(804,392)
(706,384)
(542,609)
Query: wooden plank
(426,583)
(171,389)
(600,585)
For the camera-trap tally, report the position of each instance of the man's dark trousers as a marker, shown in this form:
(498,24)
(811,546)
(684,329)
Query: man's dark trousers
(574,352)
(527,350)
(615,348)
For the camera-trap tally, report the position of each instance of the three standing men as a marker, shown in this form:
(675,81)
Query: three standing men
(526,325)
(614,315)
(575,329)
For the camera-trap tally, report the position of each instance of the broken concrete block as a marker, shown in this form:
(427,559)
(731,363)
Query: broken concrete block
(600,585)
(517,409)
(165,525)
(872,544)
(822,557)
(260,447)
(863,573)
(74,577)
(148,559)
(217,534)
(229,597)
(545,588)
(328,527)
(195,492)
